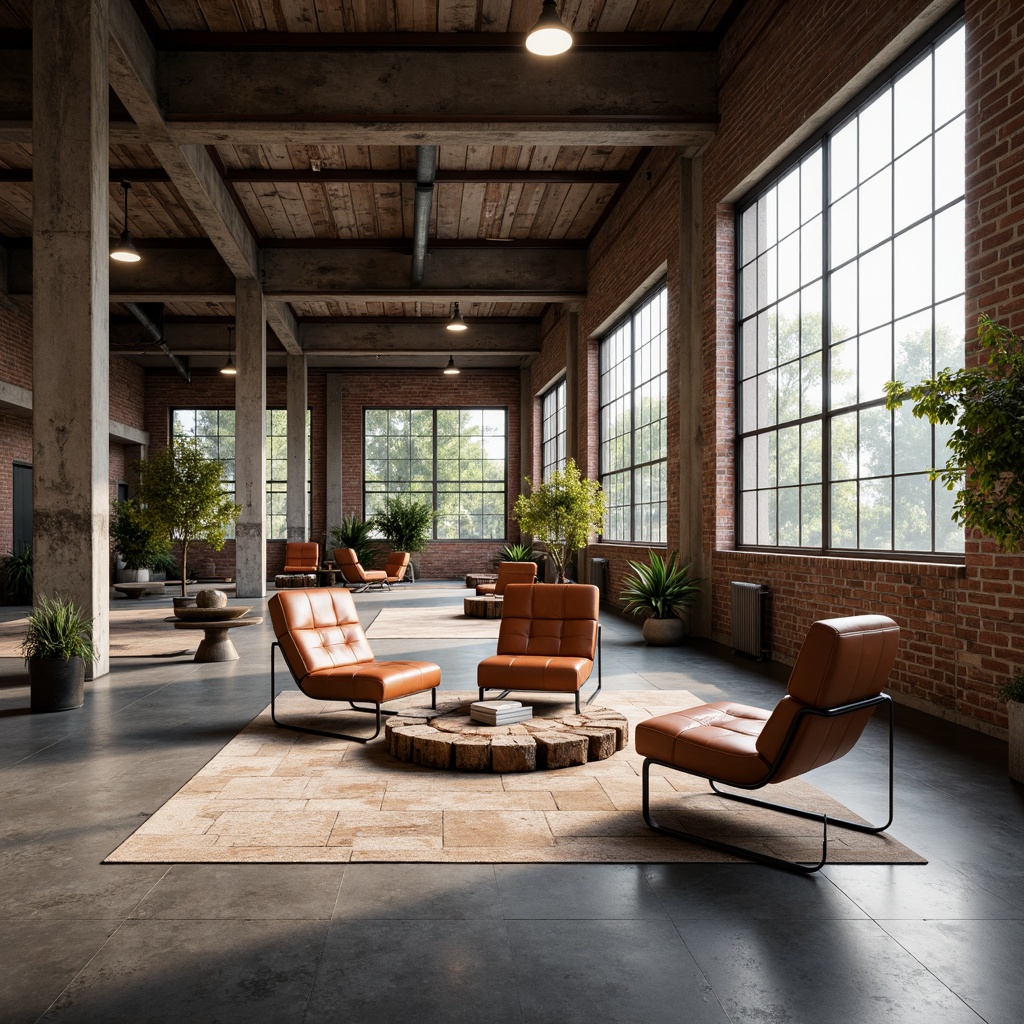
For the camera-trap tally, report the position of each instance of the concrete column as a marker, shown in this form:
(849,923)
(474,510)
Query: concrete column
(334,497)
(572,403)
(691,539)
(251,439)
(70,286)
(298,482)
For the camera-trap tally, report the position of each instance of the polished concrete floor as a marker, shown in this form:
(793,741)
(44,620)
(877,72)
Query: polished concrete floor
(644,944)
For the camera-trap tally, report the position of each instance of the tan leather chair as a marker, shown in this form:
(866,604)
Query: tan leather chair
(359,578)
(327,653)
(833,691)
(397,564)
(509,572)
(548,640)
(301,556)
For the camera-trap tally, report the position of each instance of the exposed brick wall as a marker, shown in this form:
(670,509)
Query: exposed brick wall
(15,446)
(16,345)
(127,393)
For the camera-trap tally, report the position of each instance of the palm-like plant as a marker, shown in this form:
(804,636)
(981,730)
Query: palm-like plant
(354,533)
(661,588)
(516,553)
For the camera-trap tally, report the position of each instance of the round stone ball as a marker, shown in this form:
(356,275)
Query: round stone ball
(211,599)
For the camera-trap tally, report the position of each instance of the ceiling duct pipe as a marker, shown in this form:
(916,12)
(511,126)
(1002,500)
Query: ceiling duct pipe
(426,165)
(151,316)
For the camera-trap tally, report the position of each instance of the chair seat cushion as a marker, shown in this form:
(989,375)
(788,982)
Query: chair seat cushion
(485,588)
(533,672)
(374,575)
(376,681)
(716,740)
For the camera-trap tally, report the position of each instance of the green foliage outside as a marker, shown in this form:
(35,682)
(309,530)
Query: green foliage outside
(134,537)
(516,553)
(16,576)
(354,533)
(1013,690)
(561,514)
(661,588)
(180,490)
(57,628)
(985,407)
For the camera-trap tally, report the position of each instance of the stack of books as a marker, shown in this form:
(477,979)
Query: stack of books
(499,712)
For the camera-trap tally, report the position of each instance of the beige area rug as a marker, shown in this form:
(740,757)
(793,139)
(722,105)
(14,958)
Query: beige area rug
(431,624)
(134,633)
(275,796)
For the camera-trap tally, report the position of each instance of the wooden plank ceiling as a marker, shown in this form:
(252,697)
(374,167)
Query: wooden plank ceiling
(363,195)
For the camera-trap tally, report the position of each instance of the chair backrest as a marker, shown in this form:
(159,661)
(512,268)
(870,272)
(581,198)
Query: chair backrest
(841,661)
(514,572)
(549,620)
(301,555)
(318,628)
(398,562)
(348,562)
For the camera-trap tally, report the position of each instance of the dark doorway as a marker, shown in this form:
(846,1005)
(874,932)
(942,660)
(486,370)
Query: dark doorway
(22,525)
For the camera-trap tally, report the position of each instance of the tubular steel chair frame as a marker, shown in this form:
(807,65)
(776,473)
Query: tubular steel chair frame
(762,858)
(376,709)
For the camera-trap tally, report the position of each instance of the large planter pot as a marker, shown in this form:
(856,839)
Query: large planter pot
(56,684)
(132,575)
(663,632)
(1015,714)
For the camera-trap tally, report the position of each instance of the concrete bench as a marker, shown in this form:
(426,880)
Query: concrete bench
(140,590)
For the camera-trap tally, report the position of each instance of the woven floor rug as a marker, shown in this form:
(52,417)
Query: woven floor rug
(134,633)
(445,623)
(273,796)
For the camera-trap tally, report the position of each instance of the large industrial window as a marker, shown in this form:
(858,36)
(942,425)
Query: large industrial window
(552,431)
(215,429)
(633,423)
(851,273)
(453,459)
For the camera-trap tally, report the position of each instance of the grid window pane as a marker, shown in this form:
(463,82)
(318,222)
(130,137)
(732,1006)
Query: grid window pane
(881,202)
(552,431)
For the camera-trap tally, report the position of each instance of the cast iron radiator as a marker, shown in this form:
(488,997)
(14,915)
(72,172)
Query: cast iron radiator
(750,619)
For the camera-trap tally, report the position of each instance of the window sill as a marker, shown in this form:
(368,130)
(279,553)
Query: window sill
(845,563)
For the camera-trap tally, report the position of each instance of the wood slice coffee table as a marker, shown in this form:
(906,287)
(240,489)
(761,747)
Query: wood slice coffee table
(446,737)
(216,645)
(486,606)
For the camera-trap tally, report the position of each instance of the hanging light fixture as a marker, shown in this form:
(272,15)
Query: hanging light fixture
(125,251)
(451,370)
(457,323)
(549,36)
(228,369)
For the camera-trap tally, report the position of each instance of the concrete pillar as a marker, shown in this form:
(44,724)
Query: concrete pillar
(251,439)
(333,485)
(298,462)
(691,539)
(572,403)
(70,286)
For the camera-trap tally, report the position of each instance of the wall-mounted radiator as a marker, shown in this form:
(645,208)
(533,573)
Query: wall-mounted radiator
(750,619)
(599,575)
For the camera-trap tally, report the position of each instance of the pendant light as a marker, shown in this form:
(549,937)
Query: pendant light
(125,251)
(451,370)
(228,369)
(549,37)
(457,323)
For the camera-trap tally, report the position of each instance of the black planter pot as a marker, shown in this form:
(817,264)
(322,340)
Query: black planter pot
(56,684)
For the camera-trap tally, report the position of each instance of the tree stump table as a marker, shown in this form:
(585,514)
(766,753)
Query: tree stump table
(486,606)
(447,738)
(474,579)
(291,580)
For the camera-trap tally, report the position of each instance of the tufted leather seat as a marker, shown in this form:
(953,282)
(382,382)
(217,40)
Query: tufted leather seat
(329,657)
(301,556)
(833,691)
(355,574)
(547,641)
(508,572)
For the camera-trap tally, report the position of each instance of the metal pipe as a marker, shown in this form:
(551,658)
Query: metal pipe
(426,165)
(148,314)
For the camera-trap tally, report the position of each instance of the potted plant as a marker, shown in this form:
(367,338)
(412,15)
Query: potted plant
(56,647)
(406,523)
(561,514)
(661,590)
(16,576)
(516,553)
(135,540)
(354,533)
(1013,693)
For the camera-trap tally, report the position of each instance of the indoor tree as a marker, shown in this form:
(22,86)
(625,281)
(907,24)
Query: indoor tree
(182,493)
(561,514)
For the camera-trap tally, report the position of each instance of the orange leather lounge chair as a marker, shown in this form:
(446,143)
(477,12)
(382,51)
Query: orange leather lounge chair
(329,657)
(548,640)
(356,576)
(301,556)
(397,564)
(833,691)
(509,572)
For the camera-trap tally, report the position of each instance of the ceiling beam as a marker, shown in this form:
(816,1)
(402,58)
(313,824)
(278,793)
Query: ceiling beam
(282,322)
(354,338)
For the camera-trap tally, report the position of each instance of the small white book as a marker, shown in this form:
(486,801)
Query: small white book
(499,712)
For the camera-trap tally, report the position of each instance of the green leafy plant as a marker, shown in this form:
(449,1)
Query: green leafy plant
(180,489)
(134,536)
(516,553)
(1013,690)
(405,522)
(661,588)
(354,533)
(57,628)
(561,514)
(164,563)
(985,405)
(16,576)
